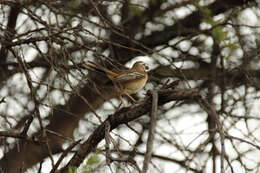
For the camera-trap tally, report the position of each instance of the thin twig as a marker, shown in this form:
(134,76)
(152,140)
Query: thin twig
(149,146)
(63,156)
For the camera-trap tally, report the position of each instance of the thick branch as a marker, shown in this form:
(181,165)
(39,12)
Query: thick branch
(233,78)
(64,120)
(124,116)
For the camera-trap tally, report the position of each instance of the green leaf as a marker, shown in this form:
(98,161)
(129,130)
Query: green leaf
(205,11)
(135,10)
(232,46)
(219,35)
(74,4)
(93,160)
(72,169)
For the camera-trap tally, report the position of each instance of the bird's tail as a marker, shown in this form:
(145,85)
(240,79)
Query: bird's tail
(98,68)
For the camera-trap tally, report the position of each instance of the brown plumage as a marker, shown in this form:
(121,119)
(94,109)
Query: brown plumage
(127,81)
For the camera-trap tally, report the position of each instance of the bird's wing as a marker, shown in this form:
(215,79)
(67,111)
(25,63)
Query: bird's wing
(129,76)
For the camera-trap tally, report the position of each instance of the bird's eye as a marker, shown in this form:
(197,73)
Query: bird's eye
(146,67)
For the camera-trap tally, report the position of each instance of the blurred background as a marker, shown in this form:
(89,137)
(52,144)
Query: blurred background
(52,107)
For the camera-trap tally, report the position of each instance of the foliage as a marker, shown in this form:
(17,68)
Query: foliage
(207,121)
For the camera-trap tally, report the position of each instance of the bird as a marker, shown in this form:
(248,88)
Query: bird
(126,82)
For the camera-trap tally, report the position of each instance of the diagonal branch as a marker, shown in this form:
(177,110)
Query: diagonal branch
(126,115)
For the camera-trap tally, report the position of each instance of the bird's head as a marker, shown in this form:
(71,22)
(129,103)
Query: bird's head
(140,65)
